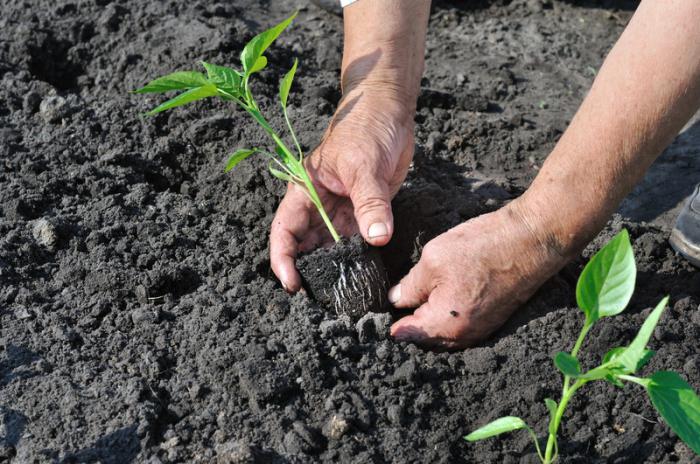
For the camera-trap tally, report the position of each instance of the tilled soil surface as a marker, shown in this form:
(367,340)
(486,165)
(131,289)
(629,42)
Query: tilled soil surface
(139,320)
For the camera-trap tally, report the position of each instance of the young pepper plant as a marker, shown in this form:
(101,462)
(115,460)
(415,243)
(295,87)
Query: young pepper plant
(232,85)
(604,289)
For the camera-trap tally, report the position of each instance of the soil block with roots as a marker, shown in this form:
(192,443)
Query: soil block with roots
(348,278)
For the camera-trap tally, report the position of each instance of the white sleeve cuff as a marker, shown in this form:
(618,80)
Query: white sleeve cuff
(344,3)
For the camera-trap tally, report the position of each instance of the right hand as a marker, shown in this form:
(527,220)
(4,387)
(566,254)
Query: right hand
(357,169)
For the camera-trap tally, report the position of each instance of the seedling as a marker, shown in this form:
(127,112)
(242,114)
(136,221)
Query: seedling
(604,289)
(232,85)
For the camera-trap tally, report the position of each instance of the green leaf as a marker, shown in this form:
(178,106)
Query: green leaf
(180,80)
(615,352)
(258,44)
(281,175)
(238,156)
(607,282)
(282,154)
(286,83)
(497,427)
(259,64)
(198,93)
(608,373)
(636,354)
(646,357)
(678,404)
(597,373)
(552,408)
(227,79)
(568,364)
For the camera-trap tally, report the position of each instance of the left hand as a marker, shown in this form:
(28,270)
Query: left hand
(470,279)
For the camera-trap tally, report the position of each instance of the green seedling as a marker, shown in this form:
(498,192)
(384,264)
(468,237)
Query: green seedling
(232,85)
(604,289)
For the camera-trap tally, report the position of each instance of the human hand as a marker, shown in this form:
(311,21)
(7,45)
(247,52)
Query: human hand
(357,169)
(470,279)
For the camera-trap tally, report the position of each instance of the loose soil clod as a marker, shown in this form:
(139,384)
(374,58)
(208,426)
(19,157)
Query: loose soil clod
(349,278)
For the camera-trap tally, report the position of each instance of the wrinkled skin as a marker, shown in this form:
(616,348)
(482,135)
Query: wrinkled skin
(470,279)
(466,283)
(355,177)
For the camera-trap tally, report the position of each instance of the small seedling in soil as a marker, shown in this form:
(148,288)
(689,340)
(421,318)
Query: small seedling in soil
(232,85)
(354,268)
(604,289)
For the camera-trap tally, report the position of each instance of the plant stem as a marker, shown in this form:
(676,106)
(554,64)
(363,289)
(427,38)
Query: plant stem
(313,195)
(291,131)
(579,341)
(566,394)
(252,109)
(630,378)
(537,443)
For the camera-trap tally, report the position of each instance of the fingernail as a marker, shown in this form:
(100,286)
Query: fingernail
(378,229)
(283,280)
(395,294)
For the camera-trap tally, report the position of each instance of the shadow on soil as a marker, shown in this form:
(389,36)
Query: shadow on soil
(660,195)
(16,357)
(436,196)
(13,425)
(119,447)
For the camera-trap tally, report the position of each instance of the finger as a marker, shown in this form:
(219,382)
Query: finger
(414,289)
(430,325)
(283,252)
(371,199)
(419,328)
(291,221)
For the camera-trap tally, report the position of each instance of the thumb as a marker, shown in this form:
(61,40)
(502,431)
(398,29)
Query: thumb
(371,200)
(414,289)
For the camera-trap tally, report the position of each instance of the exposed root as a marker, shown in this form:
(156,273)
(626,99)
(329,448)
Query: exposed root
(362,278)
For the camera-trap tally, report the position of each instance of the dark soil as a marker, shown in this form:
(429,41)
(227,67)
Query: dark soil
(139,319)
(348,278)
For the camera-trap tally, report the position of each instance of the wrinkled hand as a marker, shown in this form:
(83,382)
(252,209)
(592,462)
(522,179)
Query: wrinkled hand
(358,167)
(470,279)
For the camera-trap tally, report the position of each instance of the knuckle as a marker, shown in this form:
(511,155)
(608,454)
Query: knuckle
(372,203)
(430,254)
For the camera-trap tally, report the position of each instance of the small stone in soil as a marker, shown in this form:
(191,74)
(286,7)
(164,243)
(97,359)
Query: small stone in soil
(141,294)
(336,427)
(395,414)
(54,108)
(45,233)
(22,313)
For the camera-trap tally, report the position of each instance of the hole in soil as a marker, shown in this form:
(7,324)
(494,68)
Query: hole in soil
(49,62)
(176,282)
